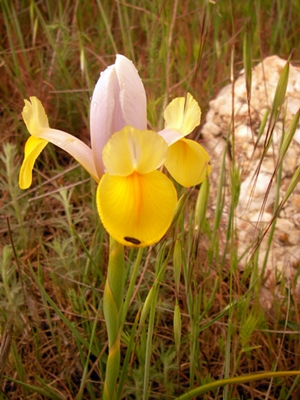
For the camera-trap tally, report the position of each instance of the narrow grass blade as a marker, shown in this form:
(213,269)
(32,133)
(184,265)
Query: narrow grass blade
(47,394)
(129,351)
(234,381)
(247,57)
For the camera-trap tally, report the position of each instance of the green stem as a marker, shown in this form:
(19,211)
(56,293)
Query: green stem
(112,307)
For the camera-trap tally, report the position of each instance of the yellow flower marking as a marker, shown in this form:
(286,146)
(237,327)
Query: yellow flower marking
(136,209)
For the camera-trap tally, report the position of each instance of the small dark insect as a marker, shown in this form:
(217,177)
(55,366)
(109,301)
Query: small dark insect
(132,240)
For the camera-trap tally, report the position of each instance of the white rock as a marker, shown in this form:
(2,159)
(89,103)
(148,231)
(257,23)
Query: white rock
(256,203)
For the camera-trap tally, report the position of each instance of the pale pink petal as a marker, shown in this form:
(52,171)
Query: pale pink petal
(105,114)
(75,147)
(118,100)
(171,135)
(132,93)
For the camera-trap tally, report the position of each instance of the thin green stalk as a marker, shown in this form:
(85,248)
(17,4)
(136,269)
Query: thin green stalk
(233,267)
(87,362)
(228,346)
(126,32)
(47,392)
(135,271)
(106,23)
(231,233)
(234,381)
(213,251)
(160,271)
(130,347)
(168,58)
(194,337)
(273,226)
(149,346)
(112,307)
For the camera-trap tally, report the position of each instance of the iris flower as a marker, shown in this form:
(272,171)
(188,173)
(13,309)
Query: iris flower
(135,201)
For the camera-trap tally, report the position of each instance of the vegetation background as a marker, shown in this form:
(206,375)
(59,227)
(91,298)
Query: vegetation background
(53,249)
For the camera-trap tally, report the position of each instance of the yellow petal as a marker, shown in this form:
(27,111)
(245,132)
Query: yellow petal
(36,120)
(132,150)
(34,116)
(138,209)
(33,148)
(183,114)
(187,162)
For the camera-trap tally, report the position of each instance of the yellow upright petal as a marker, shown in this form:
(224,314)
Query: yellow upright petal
(34,116)
(188,162)
(138,209)
(36,120)
(183,114)
(33,148)
(134,150)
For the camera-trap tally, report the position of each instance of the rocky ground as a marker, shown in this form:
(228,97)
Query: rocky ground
(255,206)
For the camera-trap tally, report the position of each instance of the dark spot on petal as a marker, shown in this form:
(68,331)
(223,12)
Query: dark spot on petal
(132,240)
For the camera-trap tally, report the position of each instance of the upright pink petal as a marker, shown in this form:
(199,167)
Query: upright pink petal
(105,113)
(118,100)
(132,94)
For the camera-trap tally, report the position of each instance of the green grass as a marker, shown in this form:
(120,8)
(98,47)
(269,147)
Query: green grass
(54,250)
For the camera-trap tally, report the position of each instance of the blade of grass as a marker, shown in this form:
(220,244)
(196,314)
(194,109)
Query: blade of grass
(233,381)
